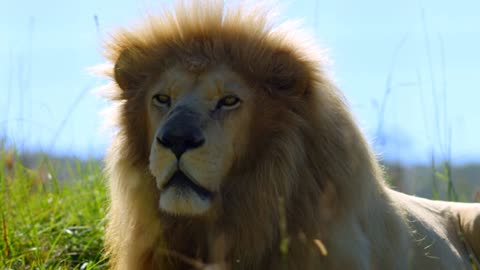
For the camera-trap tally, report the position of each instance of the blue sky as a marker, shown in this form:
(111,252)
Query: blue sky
(425,52)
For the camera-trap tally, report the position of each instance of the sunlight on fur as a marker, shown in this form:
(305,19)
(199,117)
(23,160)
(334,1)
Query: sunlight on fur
(234,150)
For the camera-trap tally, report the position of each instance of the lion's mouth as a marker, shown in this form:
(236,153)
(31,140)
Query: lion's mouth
(181,181)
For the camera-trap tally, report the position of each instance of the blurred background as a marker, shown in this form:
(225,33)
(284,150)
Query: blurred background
(409,70)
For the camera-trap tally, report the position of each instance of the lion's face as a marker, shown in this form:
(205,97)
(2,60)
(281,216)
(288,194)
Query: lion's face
(194,124)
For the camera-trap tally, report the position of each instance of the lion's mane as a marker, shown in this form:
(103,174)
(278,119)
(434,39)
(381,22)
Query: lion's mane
(307,185)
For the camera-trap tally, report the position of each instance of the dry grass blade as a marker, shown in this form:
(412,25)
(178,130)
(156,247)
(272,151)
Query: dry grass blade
(321,247)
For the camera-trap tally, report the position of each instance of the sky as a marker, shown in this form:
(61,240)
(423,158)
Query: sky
(409,70)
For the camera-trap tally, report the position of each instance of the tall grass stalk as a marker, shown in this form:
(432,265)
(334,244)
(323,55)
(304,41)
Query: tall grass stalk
(442,126)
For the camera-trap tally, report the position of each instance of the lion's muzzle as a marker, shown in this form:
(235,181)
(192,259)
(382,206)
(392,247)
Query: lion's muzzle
(180,192)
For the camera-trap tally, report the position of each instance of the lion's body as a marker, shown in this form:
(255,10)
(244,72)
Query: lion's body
(283,179)
(434,232)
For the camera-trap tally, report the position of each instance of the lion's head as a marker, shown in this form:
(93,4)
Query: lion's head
(203,108)
(222,118)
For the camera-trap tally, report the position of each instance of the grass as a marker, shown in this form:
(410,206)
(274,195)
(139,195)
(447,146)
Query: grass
(52,216)
(47,223)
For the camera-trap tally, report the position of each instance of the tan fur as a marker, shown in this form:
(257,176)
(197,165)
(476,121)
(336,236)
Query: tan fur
(296,184)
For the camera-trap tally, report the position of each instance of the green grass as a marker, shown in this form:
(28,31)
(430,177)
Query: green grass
(52,216)
(47,222)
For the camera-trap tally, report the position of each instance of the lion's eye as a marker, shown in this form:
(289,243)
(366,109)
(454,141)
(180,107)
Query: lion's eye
(228,102)
(161,100)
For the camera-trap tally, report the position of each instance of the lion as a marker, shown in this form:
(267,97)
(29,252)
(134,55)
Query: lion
(234,149)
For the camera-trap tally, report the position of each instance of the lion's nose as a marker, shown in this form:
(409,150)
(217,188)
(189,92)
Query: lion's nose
(179,136)
(179,143)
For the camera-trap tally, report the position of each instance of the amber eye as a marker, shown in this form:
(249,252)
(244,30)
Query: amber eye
(228,102)
(161,100)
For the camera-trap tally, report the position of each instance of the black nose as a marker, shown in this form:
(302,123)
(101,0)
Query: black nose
(180,133)
(180,142)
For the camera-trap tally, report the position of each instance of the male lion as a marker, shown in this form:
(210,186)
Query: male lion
(234,150)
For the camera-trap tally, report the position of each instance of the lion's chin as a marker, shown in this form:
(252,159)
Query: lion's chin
(181,196)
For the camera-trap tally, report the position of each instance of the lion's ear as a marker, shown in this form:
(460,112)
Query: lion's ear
(127,71)
(287,74)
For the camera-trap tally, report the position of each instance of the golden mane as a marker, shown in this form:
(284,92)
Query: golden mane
(306,174)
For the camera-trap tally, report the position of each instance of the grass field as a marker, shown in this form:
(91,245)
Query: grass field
(52,216)
(47,223)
